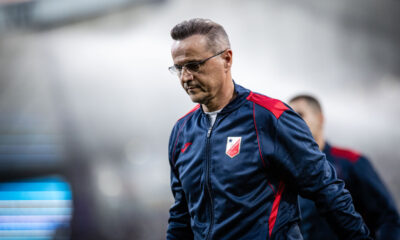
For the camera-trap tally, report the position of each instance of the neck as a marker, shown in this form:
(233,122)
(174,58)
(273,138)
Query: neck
(222,99)
(321,142)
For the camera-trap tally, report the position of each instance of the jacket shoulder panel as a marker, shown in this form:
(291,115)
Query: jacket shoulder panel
(275,106)
(193,110)
(350,155)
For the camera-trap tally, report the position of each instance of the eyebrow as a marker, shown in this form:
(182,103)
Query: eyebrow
(190,61)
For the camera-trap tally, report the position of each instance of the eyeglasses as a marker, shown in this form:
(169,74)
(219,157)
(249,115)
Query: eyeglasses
(192,67)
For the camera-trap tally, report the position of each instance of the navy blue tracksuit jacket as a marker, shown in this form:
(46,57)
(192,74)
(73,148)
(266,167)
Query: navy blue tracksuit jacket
(371,199)
(240,178)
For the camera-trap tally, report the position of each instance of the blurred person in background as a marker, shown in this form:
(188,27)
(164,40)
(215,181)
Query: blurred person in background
(239,159)
(370,196)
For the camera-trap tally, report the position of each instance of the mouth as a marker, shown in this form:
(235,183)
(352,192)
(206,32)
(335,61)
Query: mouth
(191,88)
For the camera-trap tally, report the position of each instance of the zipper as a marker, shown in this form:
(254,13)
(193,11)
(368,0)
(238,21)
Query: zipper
(209,132)
(208,181)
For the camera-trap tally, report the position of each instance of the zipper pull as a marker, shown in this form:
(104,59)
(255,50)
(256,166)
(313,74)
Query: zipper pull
(209,132)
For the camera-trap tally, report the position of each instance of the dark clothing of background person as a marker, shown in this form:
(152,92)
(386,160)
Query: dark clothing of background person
(370,196)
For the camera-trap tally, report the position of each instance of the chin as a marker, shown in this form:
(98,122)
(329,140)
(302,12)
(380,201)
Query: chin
(197,99)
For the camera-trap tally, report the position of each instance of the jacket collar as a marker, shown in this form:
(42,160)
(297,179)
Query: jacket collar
(327,148)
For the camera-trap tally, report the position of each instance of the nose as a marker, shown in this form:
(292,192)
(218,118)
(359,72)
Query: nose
(186,75)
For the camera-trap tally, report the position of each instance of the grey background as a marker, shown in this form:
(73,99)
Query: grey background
(107,74)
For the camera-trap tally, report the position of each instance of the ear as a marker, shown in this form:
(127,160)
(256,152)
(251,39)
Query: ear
(227,56)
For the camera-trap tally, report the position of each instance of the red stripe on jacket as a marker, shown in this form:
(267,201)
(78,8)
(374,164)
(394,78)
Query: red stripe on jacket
(352,156)
(275,207)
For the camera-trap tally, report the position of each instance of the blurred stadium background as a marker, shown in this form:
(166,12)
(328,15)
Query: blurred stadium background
(87,103)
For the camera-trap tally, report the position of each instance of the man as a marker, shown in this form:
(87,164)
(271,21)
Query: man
(371,198)
(239,159)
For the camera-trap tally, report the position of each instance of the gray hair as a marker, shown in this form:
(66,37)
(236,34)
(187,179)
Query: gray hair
(217,38)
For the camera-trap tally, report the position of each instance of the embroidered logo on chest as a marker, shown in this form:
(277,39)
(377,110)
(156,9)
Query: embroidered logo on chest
(185,147)
(233,146)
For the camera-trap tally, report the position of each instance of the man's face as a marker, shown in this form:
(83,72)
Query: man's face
(310,115)
(207,83)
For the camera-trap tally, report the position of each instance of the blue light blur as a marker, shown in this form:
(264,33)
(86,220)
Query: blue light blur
(34,208)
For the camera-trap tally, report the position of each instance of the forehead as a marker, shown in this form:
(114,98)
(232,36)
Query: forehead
(190,48)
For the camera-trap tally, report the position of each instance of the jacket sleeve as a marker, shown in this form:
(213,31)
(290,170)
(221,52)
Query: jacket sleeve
(305,167)
(374,201)
(179,218)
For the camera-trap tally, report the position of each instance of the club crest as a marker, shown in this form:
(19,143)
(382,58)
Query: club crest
(233,146)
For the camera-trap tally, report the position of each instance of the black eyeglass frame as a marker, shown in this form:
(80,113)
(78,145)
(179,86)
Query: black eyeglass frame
(177,69)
